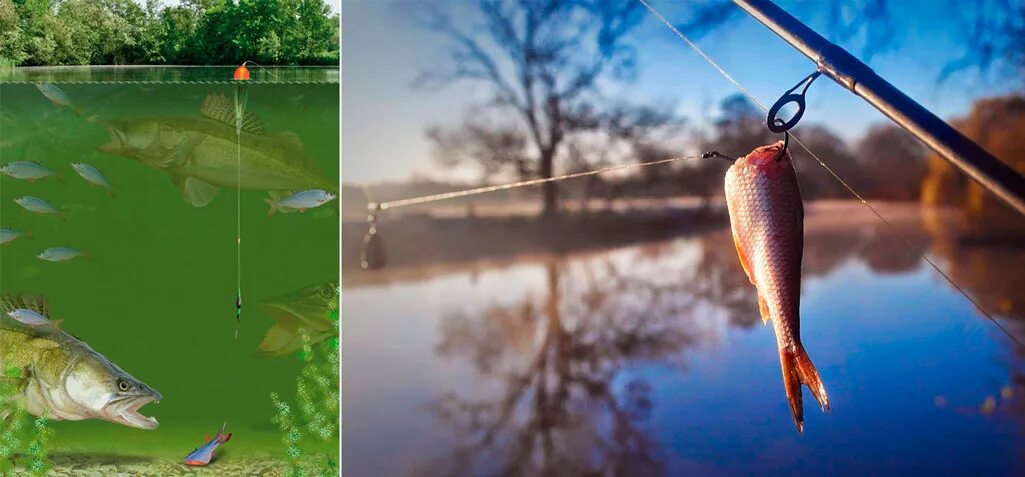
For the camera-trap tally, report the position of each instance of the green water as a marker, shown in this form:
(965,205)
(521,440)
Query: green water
(156,294)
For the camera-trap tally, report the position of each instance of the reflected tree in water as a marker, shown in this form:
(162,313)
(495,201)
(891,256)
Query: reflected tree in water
(565,400)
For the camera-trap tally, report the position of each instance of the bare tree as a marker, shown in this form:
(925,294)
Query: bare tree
(543,62)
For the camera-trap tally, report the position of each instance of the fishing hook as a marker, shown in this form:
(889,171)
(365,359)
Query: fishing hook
(786,140)
(778,125)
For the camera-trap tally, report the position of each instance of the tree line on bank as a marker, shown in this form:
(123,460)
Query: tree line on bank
(193,32)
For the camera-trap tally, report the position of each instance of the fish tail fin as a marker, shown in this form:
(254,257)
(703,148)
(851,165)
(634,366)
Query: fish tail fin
(77,110)
(112,191)
(273,206)
(56,324)
(797,370)
(60,177)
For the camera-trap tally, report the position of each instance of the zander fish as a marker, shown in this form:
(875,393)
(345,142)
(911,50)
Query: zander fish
(206,153)
(62,377)
(767,219)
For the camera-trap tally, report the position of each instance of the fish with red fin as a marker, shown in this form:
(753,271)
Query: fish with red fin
(202,455)
(767,220)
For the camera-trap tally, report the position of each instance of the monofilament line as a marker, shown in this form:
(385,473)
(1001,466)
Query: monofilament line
(240,106)
(513,185)
(822,163)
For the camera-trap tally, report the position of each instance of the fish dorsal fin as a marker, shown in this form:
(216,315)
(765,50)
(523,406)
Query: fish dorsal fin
(292,151)
(220,108)
(36,303)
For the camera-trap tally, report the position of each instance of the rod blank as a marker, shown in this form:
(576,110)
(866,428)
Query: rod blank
(856,76)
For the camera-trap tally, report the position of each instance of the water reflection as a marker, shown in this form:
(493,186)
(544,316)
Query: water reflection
(566,403)
(559,376)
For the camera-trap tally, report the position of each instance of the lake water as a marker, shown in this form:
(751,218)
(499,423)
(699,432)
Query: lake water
(651,360)
(156,293)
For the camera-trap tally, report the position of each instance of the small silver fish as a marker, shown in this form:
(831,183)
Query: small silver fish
(58,254)
(29,171)
(32,318)
(300,201)
(57,96)
(92,175)
(8,235)
(37,205)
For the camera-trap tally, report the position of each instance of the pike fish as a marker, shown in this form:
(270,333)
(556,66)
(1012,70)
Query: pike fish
(202,154)
(767,220)
(62,377)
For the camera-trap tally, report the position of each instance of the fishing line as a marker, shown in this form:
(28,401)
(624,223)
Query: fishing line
(847,186)
(393,204)
(240,106)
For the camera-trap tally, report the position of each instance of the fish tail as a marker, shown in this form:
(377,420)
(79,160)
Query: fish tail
(273,206)
(797,370)
(112,191)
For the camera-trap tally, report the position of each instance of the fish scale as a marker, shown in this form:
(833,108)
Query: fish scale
(767,222)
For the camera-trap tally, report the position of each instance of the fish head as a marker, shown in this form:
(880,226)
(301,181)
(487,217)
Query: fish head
(21,200)
(128,138)
(767,157)
(107,392)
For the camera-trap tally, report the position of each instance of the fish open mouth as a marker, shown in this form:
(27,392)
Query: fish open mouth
(128,412)
(117,138)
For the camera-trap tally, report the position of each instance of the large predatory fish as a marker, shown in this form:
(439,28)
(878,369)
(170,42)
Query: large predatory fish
(767,218)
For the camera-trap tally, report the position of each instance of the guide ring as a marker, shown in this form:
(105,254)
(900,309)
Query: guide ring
(778,125)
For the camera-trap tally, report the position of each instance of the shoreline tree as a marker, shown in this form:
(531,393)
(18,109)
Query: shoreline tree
(191,32)
(544,63)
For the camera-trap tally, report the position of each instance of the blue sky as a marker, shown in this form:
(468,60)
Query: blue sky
(384,116)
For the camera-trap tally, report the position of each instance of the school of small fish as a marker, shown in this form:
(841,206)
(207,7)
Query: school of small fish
(767,220)
(64,378)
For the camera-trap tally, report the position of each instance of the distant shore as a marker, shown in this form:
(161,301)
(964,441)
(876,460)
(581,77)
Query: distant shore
(425,245)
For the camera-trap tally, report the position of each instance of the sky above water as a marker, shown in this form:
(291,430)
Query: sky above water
(384,51)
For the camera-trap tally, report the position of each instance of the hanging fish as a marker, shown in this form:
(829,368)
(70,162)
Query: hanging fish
(767,219)
(93,176)
(373,256)
(203,455)
(26,170)
(39,206)
(57,96)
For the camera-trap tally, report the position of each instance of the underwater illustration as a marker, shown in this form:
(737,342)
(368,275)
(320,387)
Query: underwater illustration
(169,278)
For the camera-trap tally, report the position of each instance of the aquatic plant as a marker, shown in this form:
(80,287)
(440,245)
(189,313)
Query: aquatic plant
(13,419)
(318,407)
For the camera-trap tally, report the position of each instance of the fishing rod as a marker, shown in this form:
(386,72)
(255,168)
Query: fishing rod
(854,75)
